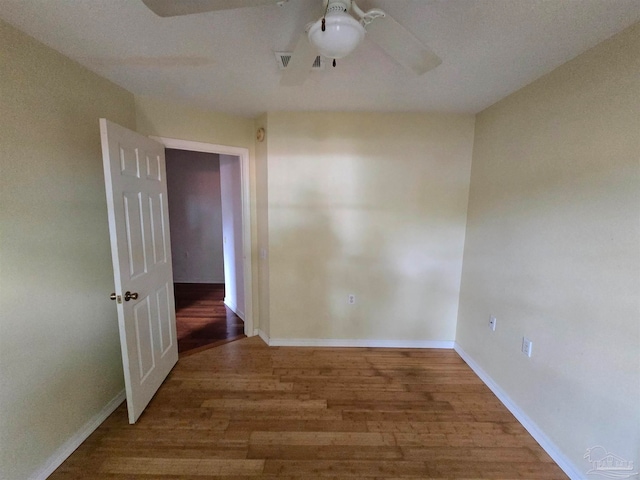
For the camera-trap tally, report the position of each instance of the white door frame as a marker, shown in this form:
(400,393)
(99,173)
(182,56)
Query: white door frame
(245,187)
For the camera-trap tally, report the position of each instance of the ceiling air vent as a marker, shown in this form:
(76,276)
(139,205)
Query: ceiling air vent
(283,59)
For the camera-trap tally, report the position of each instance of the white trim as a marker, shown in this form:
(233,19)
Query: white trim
(245,186)
(77,438)
(263,336)
(230,304)
(536,432)
(234,308)
(338,342)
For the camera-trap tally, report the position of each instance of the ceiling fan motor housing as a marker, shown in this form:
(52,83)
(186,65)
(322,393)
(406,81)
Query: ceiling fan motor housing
(338,6)
(342,33)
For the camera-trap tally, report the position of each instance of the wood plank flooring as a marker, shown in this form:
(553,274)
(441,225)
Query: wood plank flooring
(202,318)
(244,410)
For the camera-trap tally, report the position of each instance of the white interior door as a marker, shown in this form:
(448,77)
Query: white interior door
(136,186)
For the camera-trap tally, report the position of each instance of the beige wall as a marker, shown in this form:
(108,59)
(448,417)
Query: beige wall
(553,250)
(373,205)
(59,347)
(164,119)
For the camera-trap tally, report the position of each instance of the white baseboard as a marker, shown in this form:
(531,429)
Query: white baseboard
(80,436)
(234,308)
(231,304)
(554,452)
(262,335)
(338,342)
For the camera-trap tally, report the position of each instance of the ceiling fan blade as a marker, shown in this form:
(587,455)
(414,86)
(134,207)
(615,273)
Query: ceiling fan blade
(300,64)
(401,45)
(173,8)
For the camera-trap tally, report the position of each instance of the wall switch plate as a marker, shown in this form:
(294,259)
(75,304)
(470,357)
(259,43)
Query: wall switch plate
(492,323)
(527,346)
(352,299)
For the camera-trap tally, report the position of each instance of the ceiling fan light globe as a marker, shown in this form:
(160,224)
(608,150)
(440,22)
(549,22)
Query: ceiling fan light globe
(342,35)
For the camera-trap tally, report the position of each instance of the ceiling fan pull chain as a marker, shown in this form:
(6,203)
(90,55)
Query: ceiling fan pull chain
(324,16)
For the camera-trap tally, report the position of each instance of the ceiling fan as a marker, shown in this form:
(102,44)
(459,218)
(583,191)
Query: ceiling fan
(336,34)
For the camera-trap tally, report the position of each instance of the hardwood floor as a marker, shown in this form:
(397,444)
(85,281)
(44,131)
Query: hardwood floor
(202,318)
(244,410)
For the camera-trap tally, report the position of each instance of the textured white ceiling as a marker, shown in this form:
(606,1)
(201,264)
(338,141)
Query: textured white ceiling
(225,60)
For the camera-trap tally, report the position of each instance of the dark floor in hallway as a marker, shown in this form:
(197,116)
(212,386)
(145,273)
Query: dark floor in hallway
(202,318)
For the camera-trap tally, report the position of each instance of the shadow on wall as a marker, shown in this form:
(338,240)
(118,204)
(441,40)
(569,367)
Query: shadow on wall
(324,251)
(307,275)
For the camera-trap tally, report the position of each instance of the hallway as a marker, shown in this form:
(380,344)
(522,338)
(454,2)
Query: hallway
(202,318)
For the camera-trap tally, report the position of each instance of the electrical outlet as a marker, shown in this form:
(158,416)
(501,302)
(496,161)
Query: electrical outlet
(352,299)
(492,323)
(527,346)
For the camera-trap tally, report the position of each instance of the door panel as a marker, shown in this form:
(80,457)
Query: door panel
(167,340)
(139,228)
(134,225)
(129,165)
(144,336)
(158,242)
(153,168)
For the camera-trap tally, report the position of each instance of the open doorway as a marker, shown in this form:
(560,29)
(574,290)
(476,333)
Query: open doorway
(205,211)
(210,242)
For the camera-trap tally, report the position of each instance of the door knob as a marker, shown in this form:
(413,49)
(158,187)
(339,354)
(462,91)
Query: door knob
(113,296)
(130,296)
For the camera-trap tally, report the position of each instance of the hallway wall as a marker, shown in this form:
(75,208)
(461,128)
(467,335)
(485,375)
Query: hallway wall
(195,212)
(231,194)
